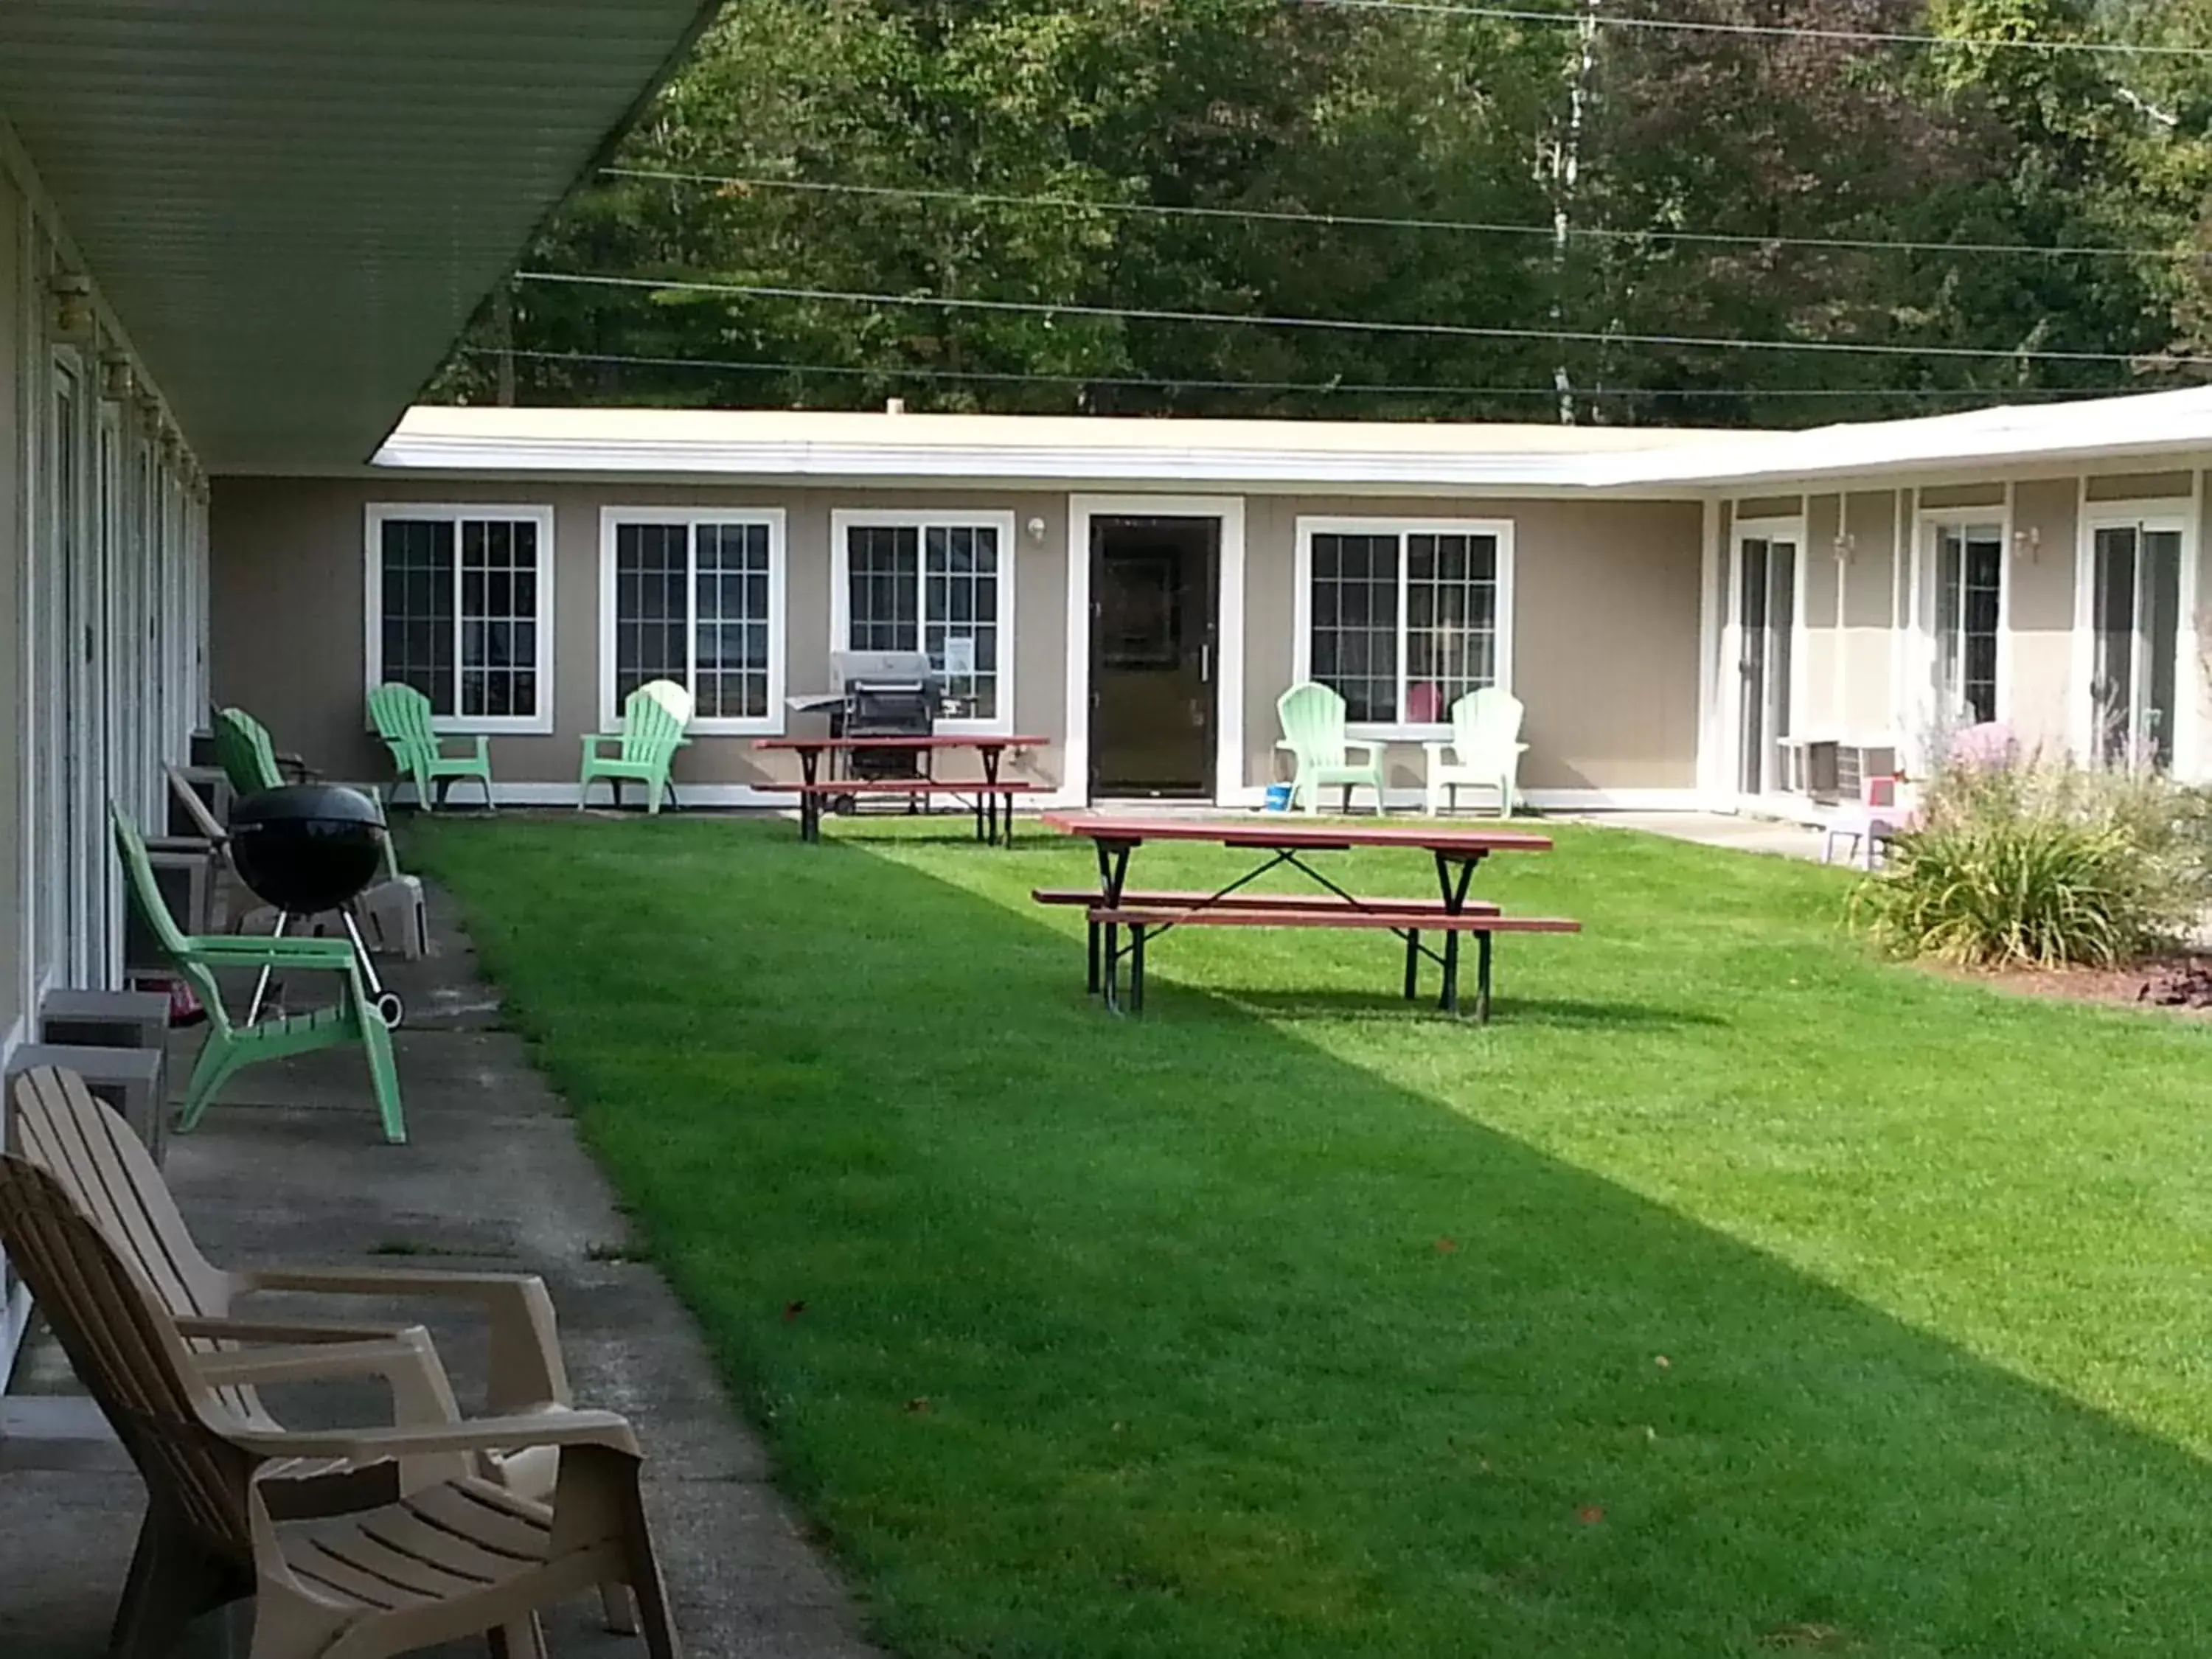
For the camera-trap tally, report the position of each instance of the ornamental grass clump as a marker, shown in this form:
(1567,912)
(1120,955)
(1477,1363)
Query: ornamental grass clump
(2040,865)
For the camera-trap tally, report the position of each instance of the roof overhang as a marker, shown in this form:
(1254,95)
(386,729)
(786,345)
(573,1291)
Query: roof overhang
(817,446)
(2145,428)
(294,206)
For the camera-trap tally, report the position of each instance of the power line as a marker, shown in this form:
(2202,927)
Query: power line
(1340,324)
(1180,383)
(1763,31)
(1378,222)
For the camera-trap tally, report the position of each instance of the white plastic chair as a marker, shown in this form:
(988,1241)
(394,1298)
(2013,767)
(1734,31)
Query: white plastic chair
(1484,751)
(1884,807)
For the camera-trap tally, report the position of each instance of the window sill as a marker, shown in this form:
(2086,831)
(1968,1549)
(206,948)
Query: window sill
(453,727)
(1360,732)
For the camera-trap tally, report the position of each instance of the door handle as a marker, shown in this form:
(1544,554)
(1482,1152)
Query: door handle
(1205,663)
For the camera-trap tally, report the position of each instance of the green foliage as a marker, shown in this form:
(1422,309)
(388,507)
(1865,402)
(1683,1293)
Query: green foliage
(2041,866)
(1031,128)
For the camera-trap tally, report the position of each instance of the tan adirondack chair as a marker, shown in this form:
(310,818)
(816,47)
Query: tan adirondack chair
(455,1557)
(60,1127)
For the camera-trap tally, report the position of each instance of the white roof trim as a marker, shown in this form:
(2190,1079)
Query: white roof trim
(760,446)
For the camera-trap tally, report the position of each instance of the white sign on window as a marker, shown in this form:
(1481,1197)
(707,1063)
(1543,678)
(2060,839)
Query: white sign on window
(959,656)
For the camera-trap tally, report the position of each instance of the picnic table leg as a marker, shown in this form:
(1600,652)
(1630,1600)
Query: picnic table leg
(810,804)
(1137,968)
(1482,945)
(990,754)
(1092,985)
(1449,1000)
(1413,962)
(1113,969)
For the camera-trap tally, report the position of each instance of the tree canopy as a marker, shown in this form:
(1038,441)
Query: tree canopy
(1311,207)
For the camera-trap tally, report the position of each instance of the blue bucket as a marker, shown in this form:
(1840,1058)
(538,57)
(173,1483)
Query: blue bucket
(1279,797)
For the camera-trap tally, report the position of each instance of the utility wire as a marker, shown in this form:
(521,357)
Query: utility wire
(1338,325)
(1376,221)
(1763,31)
(1179,383)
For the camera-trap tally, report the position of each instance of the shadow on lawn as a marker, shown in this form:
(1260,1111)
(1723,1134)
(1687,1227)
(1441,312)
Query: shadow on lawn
(1228,1346)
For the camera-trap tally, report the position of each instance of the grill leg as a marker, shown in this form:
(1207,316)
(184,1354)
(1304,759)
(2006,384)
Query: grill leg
(1412,964)
(261,985)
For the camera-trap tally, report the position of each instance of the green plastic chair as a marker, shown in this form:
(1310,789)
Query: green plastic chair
(243,749)
(1313,730)
(1484,751)
(403,719)
(653,719)
(231,1045)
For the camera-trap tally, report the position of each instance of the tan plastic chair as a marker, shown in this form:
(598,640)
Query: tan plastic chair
(59,1126)
(457,1558)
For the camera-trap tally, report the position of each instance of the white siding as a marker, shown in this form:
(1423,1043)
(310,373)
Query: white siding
(102,620)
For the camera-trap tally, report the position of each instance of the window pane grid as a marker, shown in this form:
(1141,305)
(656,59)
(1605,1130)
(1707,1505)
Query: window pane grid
(883,567)
(1355,621)
(417,607)
(1451,621)
(730,621)
(499,618)
(652,569)
(961,604)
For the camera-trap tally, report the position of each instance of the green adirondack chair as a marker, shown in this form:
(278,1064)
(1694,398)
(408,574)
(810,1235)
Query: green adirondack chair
(1313,730)
(231,1045)
(653,719)
(403,720)
(243,749)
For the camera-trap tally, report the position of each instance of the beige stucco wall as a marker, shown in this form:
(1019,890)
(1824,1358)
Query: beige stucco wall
(2041,572)
(288,630)
(1605,634)
(1604,644)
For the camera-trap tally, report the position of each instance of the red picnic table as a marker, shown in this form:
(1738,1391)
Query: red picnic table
(993,795)
(1114,907)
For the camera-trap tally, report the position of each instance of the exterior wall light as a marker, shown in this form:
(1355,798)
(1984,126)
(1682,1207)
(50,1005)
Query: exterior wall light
(73,317)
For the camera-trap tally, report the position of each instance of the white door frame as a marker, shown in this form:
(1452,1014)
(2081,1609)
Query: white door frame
(1792,530)
(2170,516)
(1230,788)
(1923,647)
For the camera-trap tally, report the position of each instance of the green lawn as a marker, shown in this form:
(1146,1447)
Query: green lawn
(1733,1293)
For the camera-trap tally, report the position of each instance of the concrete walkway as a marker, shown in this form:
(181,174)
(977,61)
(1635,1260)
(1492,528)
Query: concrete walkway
(290,1167)
(1739,833)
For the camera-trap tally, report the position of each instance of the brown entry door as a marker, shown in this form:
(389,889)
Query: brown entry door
(1153,649)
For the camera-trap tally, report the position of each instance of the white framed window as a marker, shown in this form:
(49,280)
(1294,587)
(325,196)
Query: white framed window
(1404,616)
(938,583)
(694,595)
(1966,609)
(460,607)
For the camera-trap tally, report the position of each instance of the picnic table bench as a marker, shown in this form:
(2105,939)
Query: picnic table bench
(1112,909)
(992,796)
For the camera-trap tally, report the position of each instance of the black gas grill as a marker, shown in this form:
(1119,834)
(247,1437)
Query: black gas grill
(885,695)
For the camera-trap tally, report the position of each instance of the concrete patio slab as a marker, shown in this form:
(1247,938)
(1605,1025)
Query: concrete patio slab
(289,1166)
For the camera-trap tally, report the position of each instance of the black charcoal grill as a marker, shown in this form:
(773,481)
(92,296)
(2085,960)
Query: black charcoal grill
(309,848)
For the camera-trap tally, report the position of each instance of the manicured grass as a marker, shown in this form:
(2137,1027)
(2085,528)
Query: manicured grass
(1733,1293)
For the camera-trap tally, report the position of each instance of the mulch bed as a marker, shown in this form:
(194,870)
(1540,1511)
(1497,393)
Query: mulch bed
(2180,984)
